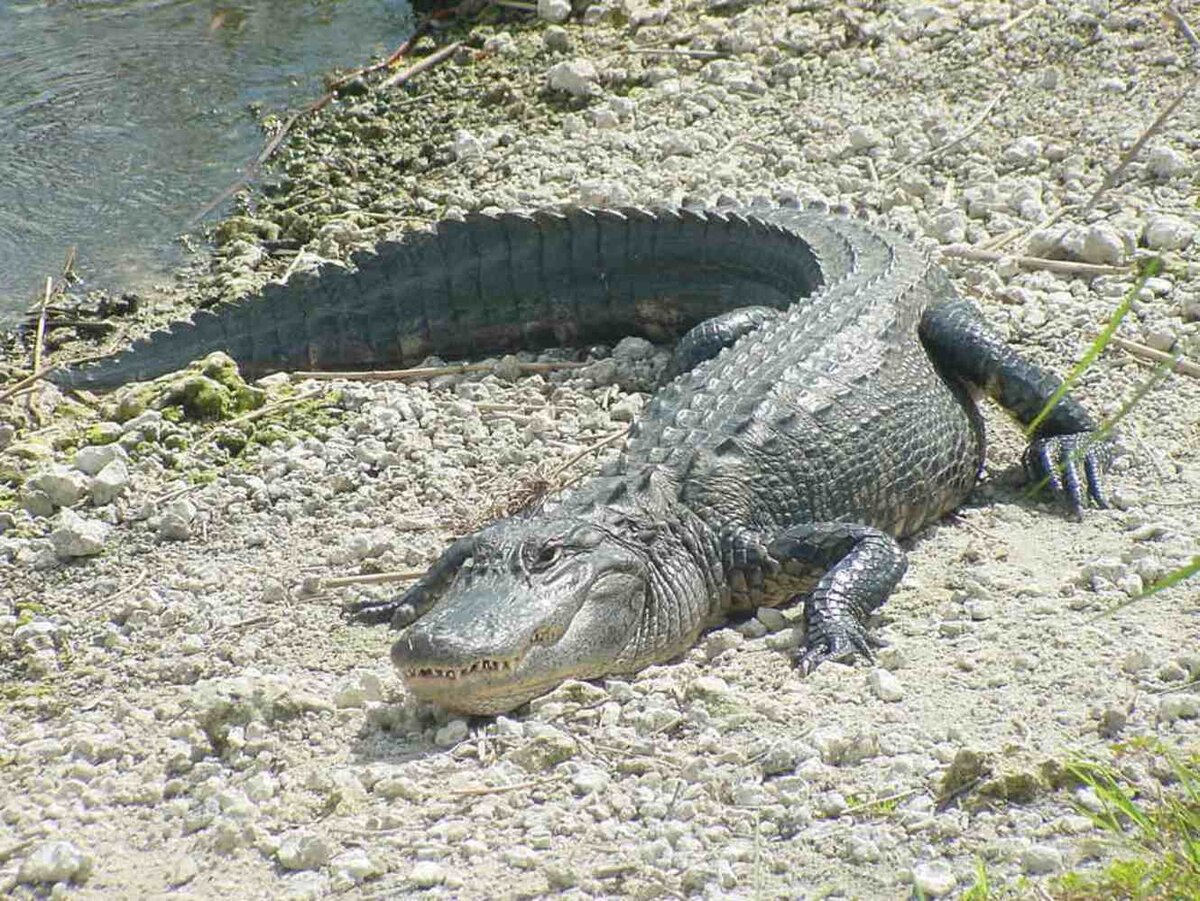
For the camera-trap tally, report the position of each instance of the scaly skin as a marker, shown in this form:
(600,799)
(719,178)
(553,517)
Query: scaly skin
(823,409)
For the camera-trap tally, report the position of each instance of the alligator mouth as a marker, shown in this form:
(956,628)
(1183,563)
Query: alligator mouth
(484,687)
(485,666)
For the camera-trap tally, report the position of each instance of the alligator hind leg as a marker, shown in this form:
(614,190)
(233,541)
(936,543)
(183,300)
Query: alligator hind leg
(708,338)
(963,347)
(421,596)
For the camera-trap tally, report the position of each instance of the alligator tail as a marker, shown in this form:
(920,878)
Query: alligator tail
(488,285)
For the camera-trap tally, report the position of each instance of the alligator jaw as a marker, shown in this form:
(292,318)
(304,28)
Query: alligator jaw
(483,687)
(453,673)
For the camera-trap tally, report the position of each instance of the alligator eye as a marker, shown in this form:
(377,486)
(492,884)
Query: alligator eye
(545,557)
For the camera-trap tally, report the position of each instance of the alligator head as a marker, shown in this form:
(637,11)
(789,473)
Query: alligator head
(550,597)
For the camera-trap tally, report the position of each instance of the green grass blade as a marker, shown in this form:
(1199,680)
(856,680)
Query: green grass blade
(1172,578)
(1149,269)
(1105,430)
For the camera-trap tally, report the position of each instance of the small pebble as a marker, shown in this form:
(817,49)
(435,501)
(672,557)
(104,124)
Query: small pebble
(1038,860)
(1102,245)
(55,861)
(934,878)
(575,77)
(884,685)
(553,11)
(452,733)
(304,852)
(75,536)
(427,874)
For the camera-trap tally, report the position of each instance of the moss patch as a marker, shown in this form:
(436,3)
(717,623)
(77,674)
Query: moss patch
(209,389)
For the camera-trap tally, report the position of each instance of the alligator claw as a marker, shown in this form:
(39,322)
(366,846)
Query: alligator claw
(840,641)
(397,612)
(1054,461)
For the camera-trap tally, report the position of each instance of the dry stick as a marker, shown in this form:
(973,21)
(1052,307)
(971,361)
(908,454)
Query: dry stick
(26,382)
(1184,28)
(995,242)
(291,267)
(603,442)
(1017,20)
(956,140)
(372,579)
(265,410)
(1063,267)
(40,339)
(438,56)
(872,171)
(516,4)
(124,592)
(887,799)
(94,324)
(680,51)
(175,493)
(273,407)
(1111,178)
(427,372)
(1183,367)
(480,790)
(1155,127)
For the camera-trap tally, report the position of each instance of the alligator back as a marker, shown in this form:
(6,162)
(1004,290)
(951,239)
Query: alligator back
(833,411)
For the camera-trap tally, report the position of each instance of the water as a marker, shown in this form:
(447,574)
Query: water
(121,119)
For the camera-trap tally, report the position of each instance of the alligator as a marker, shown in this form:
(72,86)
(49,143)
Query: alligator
(824,408)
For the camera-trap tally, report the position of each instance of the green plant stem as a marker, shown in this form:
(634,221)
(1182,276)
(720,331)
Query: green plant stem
(1149,269)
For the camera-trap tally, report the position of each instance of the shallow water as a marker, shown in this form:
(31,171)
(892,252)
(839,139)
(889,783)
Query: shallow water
(121,119)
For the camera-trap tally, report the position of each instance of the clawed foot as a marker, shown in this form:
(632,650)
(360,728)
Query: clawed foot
(1055,461)
(841,640)
(398,612)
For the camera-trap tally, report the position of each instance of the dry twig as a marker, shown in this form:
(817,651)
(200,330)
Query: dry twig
(679,51)
(370,579)
(39,340)
(320,103)
(435,58)
(1128,157)
(953,142)
(480,790)
(25,383)
(1063,267)
(591,448)
(1184,28)
(1182,366)
(426,372)
(875,802)
(110,600)
(1012,23)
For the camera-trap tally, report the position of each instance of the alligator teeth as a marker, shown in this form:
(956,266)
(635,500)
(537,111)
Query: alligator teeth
(486,665)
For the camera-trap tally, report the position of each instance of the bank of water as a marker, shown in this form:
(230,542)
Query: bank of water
(121,119)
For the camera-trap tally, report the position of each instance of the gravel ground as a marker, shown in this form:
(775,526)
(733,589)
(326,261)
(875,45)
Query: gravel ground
(185,711)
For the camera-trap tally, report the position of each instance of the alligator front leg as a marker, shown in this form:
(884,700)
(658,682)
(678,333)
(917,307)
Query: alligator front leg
(964,348)
(859,567)
(406,609)
(863,566)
